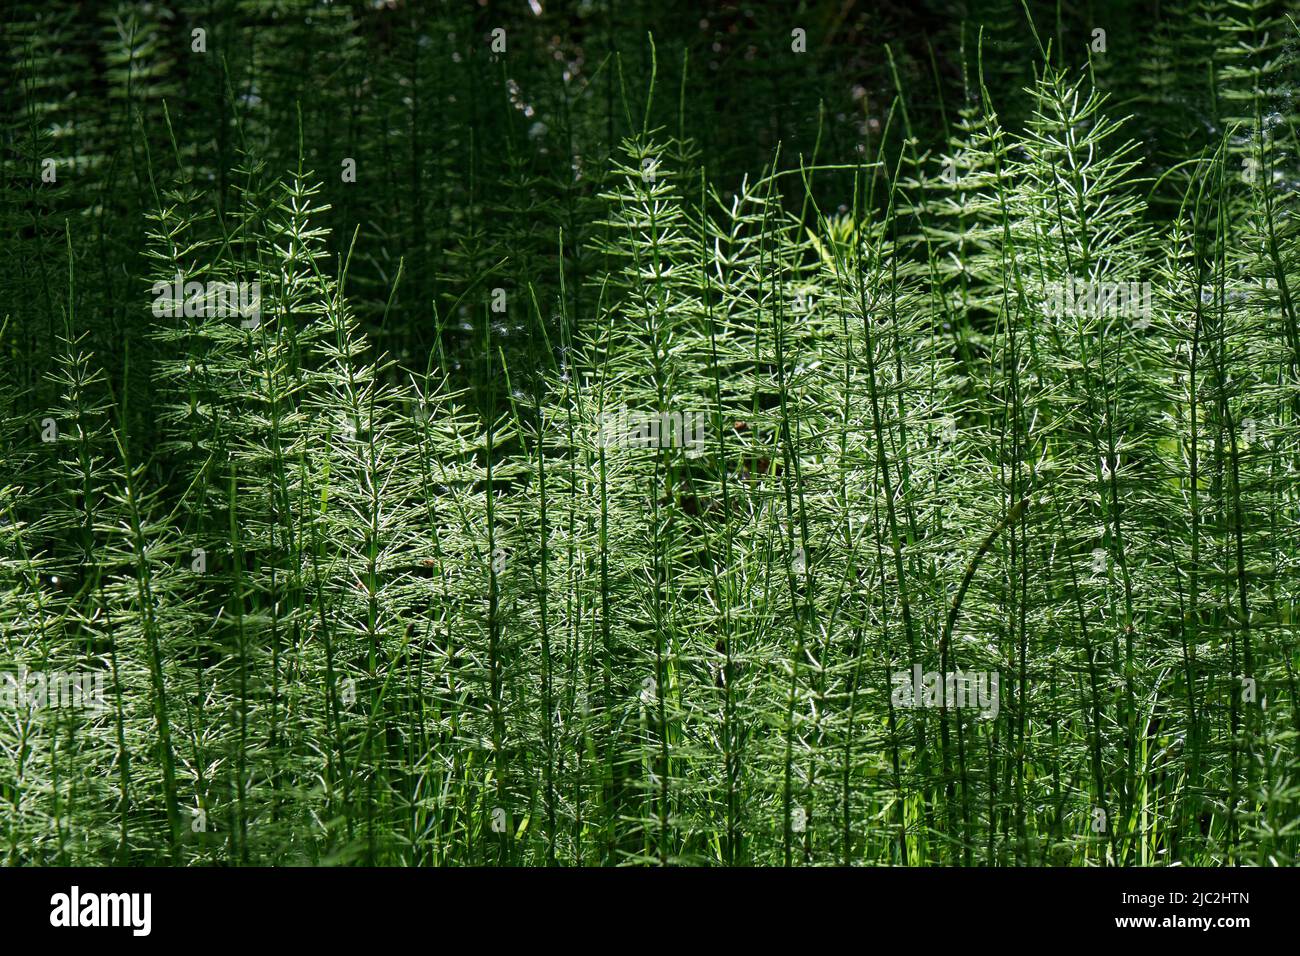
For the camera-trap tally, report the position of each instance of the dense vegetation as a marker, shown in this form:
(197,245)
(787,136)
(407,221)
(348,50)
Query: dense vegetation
(969,334)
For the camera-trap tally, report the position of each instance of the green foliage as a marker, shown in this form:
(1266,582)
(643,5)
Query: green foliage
(581,482)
